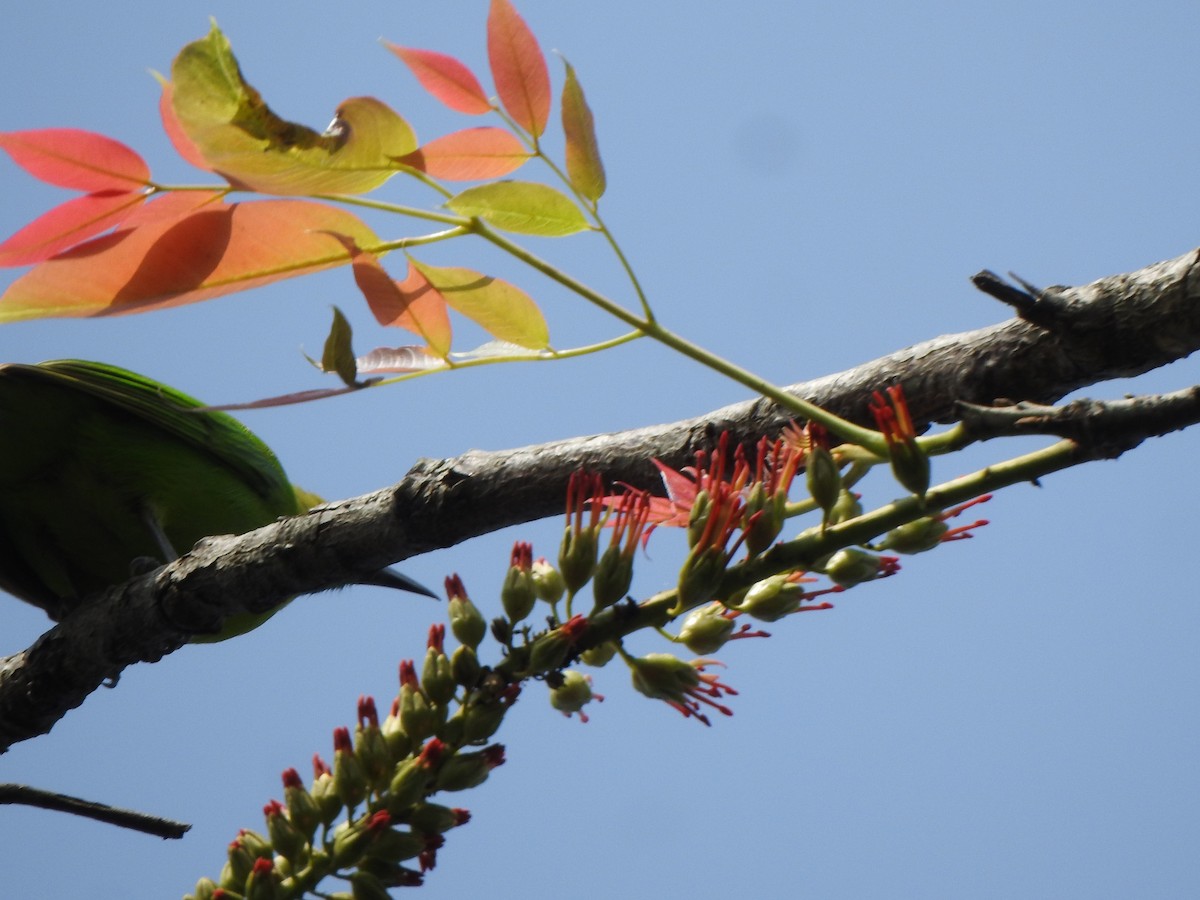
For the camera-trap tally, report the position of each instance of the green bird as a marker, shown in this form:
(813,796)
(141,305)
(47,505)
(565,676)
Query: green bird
(100,467)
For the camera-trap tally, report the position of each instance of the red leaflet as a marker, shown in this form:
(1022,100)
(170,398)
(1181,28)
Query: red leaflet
(169,260)
(473,154)
(82,160)
(68,224)
(446,78)
(518,68)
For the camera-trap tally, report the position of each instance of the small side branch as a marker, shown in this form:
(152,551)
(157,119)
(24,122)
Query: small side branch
(123,818)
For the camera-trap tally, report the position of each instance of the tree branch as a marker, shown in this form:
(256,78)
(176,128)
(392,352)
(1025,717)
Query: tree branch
(1119,326)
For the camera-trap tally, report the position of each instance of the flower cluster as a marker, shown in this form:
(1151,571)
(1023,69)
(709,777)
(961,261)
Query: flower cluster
(370,813)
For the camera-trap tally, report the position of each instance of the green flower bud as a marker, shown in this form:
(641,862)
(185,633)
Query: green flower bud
(399,743)
(436,677)
(916,536)
(706,629)
(325,796)
(349,779)
(395,846)
(409,785)
(466,621)
(700,577)
(548,582)
(577,557)
(467,770)
(285,837)
(349,841)
(417,717)
(763,518)
(851,566)
(433,818)
(204,890)
(516,594)
(661,676)
(301,807)
(599,656)
(464,666)
(481,720)
(698,517)
(823,478)
(613,576)
(772,598)
(846,508)
(263,883)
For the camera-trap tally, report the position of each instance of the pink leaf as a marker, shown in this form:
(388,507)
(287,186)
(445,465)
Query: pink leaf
(473,154)
(445,78)
(81,160)
(518,68)
(68,224)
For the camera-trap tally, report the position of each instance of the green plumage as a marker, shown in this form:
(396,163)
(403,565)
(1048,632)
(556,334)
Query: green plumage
(100,466)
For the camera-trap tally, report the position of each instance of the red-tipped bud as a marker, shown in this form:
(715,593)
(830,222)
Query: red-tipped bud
(431,818)
(516,594)
(349,779)
(285,836)
(910,464)
(851,566)
(466,621)
(577,553)
(468,770)
(302,808)
(436,676)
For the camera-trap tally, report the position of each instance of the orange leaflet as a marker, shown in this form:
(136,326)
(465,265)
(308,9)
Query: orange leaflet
(413,304)
(81,160)
(68,224)
(169,260)
(446,78)
(473,154)
(518,68)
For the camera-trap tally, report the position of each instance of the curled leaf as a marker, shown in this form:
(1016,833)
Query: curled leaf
(383,360)
(525,207)
(237,134)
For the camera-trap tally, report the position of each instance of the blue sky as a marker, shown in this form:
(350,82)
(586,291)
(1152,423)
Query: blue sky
(801,187)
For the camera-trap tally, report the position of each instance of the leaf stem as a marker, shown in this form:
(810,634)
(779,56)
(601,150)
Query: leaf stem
(844,429)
